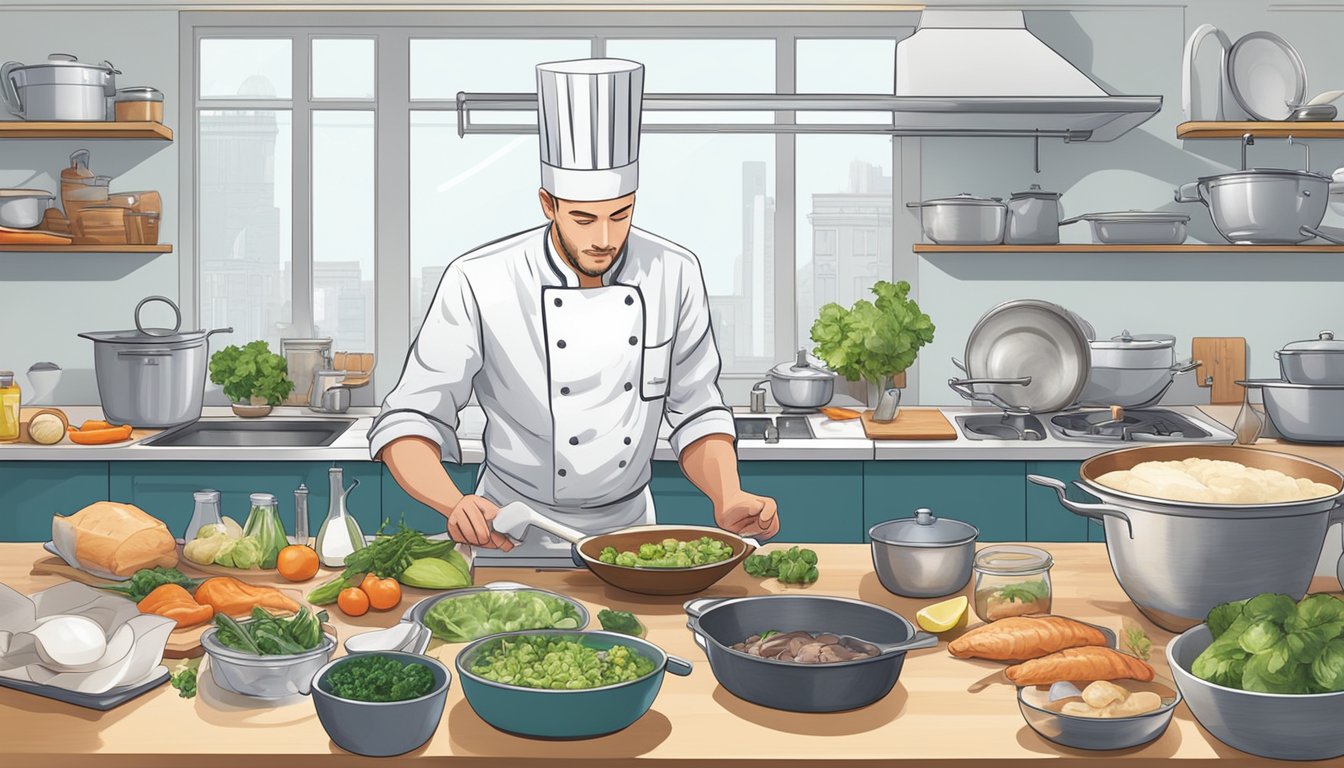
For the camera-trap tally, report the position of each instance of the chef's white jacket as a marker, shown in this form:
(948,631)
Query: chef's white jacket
(574,382)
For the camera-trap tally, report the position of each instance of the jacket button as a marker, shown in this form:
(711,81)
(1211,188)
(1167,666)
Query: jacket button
(629,300)
(561,473)
(564,390)
(629,386)
(573,441)
(627,441)
(633,341)
(622,464)
(560,343)
(559,303)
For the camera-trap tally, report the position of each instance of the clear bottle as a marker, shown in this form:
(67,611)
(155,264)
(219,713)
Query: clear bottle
(1012,580)
(9,408)
(340,534)
(301,515)
(263,522)
(206,513)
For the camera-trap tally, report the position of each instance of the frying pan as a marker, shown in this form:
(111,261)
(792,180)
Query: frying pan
(514,519)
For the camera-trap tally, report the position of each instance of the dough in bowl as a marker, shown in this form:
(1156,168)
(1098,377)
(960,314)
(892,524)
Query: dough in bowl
(1207,481)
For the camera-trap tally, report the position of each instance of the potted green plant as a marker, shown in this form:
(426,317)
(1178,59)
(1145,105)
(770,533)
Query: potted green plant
(873,341)
(252,377)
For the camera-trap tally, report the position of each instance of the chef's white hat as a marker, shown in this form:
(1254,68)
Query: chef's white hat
(588,113)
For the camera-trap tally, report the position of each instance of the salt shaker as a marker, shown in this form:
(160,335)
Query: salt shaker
(301,515)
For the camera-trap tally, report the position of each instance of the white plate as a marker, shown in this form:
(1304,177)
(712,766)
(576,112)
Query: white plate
(1266,75)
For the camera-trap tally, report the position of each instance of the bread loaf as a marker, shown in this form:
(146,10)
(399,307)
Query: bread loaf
(113,538)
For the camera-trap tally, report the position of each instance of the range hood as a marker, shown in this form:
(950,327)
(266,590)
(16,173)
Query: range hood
(983,71)
(962,73)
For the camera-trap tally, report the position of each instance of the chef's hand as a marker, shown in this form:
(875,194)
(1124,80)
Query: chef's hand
(747,514)
(469,522)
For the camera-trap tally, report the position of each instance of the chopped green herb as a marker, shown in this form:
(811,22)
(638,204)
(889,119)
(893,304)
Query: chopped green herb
(370,677)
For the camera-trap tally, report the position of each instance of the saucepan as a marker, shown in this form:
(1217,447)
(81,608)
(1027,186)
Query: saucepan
(514,519)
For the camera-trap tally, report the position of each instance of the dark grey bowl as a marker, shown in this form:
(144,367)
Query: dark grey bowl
(1092,732)
(381,729)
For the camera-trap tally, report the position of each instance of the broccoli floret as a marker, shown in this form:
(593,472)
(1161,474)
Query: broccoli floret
(608,555)
(620,621)
(650,551)
(627,559)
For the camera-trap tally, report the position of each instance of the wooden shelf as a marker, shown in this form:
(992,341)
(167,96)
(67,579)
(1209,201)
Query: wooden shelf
(23,129)
(8,248)
(1121,248)
(1261,130)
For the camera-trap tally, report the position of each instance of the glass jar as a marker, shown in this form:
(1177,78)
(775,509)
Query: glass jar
(9,408)
(1012,580)
(205,513)
(264,523)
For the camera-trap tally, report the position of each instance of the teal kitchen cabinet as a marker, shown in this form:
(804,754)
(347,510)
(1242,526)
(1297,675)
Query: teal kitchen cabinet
(819,501)
(987,494)
(398,505)
(164,488)
(1047,519)
(31,492)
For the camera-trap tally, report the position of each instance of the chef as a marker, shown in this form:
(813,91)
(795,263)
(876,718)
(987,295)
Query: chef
(578,339)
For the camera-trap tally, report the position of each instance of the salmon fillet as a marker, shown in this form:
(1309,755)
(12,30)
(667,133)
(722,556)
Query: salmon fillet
(1020,637)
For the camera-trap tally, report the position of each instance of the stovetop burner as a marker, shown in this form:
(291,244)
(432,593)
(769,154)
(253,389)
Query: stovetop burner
(1137,426)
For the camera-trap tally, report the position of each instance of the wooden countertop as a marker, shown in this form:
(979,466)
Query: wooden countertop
(929,718)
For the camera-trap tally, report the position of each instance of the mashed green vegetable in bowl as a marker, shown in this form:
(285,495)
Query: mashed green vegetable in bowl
(557,662)
(470,614)
(670,553)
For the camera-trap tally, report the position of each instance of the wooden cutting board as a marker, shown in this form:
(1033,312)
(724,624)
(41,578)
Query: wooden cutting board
(911,424)
(1222,364)
(182,643)
(26,414)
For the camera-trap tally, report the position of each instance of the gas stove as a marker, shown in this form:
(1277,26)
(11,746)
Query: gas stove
(1150,425)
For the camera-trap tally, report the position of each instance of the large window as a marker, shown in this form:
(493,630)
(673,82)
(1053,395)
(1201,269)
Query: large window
(331,187)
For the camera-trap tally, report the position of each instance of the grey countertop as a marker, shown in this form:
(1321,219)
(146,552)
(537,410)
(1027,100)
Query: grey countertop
(835,440)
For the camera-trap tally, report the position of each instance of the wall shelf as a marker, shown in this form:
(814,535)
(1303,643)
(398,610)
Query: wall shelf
(1261,130)
(1121,248)
(23,129)
(29,248)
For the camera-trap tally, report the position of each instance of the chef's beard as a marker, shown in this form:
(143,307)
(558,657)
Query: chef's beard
(569,253)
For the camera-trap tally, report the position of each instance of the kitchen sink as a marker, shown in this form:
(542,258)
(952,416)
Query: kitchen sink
(771,430)
(266,433)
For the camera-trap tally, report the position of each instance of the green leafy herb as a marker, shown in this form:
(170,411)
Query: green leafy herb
(370,677)
(146,580)
(769,633)
(621,621)
(251,371)
(670,553)
(389,556)
(1023,592)
(184,679)
(267,635)
(790,566)
(464,618)
(557,664)
(1269,644)
(873,340)
(1137,641)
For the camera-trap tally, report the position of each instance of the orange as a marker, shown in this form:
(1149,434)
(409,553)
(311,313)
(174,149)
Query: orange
(353,602)
(297,563)
(383,593)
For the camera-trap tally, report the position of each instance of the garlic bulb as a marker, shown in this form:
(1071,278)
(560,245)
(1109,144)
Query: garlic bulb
(46,428)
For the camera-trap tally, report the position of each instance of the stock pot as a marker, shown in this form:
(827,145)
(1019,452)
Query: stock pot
(61,88)
(1262,206)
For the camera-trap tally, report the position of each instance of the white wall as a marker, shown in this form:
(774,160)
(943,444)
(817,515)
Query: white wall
(46,299)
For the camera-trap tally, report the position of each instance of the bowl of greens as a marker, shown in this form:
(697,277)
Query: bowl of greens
(503,606)
(556,684)
(267,657)
(1266,675)
(381,703)
(663,559)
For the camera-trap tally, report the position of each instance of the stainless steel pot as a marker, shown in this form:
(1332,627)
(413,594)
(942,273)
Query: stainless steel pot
(963,220)
(1033,217)
(62,88)
(1176,560)
(1262,206)
(718,624)
(800,386)
(923,556)
(1136,227)
(23,208)
(151,377)
(1315,361)
(1303,413)
(1132,371)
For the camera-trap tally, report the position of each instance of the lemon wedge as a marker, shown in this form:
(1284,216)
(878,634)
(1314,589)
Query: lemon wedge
(940,617)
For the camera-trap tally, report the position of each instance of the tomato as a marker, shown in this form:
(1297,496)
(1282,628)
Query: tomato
(297,563)
(353,602)
(383,593)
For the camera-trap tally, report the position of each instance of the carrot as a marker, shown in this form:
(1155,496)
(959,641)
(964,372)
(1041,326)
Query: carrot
(99,436)
(839,414)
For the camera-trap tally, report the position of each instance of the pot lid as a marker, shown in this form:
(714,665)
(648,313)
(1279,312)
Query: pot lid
(924,530)
(1012,560)
(965,198)
(1147,216)
(1035,191)
(1126,340)
(148,337)
(68,60)
(25,193)
(139,93)
(1253,173)
(802,368)
(1324,342)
